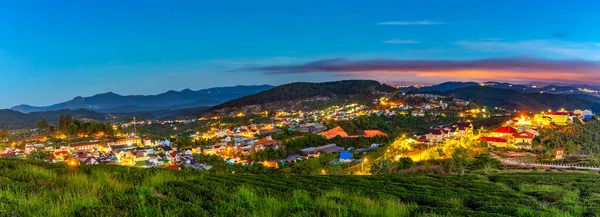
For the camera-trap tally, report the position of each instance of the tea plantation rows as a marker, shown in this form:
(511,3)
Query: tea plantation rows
(29,188)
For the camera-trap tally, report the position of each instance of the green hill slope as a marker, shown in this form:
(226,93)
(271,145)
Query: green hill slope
(39,189)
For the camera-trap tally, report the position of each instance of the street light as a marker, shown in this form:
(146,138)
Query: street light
(363,165)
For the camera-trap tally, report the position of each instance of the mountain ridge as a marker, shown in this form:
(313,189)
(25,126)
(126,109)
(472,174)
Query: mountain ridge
(109,102)
(518,100)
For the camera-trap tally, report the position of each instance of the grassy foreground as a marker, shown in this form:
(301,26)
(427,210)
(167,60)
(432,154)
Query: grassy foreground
(29,188)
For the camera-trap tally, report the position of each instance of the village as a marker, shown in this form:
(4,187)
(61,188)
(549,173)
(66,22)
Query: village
(237,144)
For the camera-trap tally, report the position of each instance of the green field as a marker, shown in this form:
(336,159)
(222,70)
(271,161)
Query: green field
(29,188)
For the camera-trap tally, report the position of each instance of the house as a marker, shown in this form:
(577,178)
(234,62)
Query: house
(495,141)
(532,131)
(60,155)
(188,160)
(331,148)
(173,157)
(266,142)
(587,114)
(86,146)
(559,153)
(130,146)
(559,118)
(291,158)
(129,141)
(120,153)
(463,128)
(141,156)
(82,156)
(435,135)
(337,131)
(346,156)
(90,161)
(524,137)
(148,142)
(505,131)
(165,142)
(274,130)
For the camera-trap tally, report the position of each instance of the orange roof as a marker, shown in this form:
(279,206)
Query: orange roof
(337,131)
(373,133)
(263,141)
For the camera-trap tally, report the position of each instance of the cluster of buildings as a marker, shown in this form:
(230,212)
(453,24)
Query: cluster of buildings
(454,131)
(132,151)
(521,131)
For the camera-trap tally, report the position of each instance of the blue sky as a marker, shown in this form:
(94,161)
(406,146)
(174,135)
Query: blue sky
(52,51)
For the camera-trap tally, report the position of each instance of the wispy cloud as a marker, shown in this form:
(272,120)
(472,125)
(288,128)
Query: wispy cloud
(515,68)
(543,48)
(491,39)
(408,23)
(401,41)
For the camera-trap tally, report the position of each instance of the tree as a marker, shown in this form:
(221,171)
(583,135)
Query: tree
(4,136)
(43,125)
(571,148)
(184,141)
(405,163)
(459,161)
(400,146)
(485,161)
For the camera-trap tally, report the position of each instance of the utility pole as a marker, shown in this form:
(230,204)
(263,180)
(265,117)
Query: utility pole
(134,127)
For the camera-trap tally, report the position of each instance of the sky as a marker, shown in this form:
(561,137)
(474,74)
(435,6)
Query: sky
(52,51)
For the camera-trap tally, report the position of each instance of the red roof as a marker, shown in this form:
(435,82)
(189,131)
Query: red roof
(524,135)
(491,139)
(506,130)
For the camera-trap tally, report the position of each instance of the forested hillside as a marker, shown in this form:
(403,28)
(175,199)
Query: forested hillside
(10,119)
(303,90)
